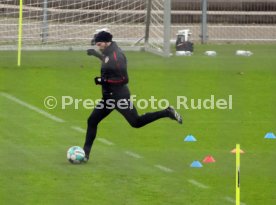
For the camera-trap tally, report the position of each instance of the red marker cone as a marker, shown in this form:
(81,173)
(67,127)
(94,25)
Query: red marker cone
(209,159)
(233,151)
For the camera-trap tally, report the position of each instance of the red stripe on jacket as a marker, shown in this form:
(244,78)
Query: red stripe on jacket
(118,67)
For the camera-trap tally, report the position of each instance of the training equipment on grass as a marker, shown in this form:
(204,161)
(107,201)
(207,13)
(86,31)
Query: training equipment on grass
(234,151)
(183,53)
(183,44)
(209,159)
(270,135)
(243,53)
(196,164)
(210,53)
(75,154)
(190,138)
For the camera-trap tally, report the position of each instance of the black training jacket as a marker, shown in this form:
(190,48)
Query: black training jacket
(114,71)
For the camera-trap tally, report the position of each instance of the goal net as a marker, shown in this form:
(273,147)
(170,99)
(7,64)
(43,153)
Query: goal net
(70,24)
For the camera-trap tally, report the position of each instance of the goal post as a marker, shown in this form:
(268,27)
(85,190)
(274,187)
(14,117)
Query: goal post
(70,24)
(158,27)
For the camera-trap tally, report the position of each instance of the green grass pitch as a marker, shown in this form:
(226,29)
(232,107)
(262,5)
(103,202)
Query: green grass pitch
(33,165)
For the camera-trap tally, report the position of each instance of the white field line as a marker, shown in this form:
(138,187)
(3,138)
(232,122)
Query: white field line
(229,199)
(48,115)
(132,154)
(165,169)
(102,140)
(198,184)
(31,107)
(78,129)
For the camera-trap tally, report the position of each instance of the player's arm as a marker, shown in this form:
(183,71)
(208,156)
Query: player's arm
(93,52)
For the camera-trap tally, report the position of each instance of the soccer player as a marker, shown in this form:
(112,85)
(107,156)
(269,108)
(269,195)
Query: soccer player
(115,92)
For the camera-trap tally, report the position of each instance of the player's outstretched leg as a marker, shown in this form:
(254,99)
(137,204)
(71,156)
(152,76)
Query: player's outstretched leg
(137,121)
(174,115)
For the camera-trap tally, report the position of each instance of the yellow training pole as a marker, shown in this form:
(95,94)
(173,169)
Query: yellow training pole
(20,33)
(238,174)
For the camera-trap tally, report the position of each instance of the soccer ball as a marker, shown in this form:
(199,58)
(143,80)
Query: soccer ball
(75,154)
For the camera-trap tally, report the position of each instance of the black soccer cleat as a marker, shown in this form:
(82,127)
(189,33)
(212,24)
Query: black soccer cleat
(85,159)
(87,152)
(174,115)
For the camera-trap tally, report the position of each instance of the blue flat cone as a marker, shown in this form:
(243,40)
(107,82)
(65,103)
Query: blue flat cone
(190,138)
(196,164)
(270,135)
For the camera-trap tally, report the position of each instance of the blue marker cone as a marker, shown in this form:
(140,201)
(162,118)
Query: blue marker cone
(190,138)
(196,164)
(270,135)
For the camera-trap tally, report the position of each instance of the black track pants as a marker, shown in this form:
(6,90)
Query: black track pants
(105,107)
